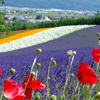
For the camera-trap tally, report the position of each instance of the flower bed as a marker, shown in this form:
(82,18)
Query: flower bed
(82,42)
(20,35)
(38,38)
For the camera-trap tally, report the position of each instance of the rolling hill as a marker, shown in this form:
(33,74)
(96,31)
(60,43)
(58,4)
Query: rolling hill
(85,38)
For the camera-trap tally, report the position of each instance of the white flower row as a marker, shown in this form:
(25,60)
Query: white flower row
(40,37)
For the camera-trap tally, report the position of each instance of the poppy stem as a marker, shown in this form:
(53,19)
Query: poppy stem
(70,82)
(9,77)
(30,72)
(97,70)
(78,83)
(66,74)
(36,73)
(47,92)
(90,91)
(98,44)
(97,86)
(64,90)
(86,91)
(94,67)
(1,94)
(78,94)
(77,86)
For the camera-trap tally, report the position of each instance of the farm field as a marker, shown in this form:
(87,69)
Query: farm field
(29,38)
(21,35)
(4,35)
(82,41)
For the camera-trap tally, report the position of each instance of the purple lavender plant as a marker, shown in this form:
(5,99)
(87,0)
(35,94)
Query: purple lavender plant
(81,41)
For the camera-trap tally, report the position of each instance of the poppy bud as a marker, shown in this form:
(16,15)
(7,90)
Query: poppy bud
(48,78)
(72,75)
(69,52)
(53,97)
(38,51)
(95,92)
(37,96)
(99,42)
(32,73)
(97,34)
(12,71)
(75,98)
(38,65)
(53,62)
(97,96)
(74,53)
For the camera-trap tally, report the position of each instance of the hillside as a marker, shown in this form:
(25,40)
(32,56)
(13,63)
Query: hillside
(59,4)
(72,41)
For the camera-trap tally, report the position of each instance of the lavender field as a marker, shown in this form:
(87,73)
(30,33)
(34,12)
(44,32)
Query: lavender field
(82,42)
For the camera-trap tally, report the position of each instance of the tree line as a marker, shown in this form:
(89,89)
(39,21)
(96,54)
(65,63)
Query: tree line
(19,25)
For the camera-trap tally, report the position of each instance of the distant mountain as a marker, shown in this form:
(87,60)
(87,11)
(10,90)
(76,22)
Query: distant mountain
(59,4)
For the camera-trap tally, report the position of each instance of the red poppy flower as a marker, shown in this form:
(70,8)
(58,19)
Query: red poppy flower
(28,93)
(86,75)
(33,84)
(96,55)
(13,90)
(0,71)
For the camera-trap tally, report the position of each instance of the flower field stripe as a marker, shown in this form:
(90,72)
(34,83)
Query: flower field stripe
(41,37)
(20,35)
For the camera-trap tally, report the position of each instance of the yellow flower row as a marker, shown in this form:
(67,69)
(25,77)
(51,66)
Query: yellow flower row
(20,35)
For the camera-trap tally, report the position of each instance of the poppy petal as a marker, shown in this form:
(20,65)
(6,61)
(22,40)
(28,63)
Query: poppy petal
(0,72)
(86,75)
(18,97)
(12,90)
(37,85)
(89,76)
(96,54)
(28,93)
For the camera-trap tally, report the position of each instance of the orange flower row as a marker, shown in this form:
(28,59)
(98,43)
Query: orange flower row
(20,35)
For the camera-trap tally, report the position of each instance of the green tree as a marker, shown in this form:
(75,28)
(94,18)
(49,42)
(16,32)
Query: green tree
(98,13)
(1,18)
(1,28)
(38,17)
(97,20)
(8,29)
(1,22)
(2,1)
